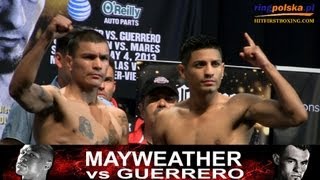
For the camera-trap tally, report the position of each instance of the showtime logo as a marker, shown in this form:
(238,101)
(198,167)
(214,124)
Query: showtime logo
(312,107)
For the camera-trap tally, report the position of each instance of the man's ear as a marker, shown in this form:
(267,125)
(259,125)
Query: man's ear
(48,165)
(181,70)
(58,58)
(69,62)
(276,159)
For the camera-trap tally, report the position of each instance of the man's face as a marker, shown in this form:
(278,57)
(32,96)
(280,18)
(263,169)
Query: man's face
(90,63)
(18,18)
(294,163)
(204,70)
(30,162)
(155,101)
(108,86)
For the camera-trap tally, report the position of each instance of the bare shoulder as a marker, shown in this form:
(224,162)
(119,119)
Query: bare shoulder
(163,118)
(117,114)
(119,120)
(53,90)
(39,98)
(172,113)
(111,110)
(244,98)
(172,110)
(115,111)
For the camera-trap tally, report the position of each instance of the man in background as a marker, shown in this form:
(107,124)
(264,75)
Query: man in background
(108,86)
(34,161)
(291,162)
(157,93)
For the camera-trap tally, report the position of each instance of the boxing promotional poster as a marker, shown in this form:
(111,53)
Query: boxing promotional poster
(160,162)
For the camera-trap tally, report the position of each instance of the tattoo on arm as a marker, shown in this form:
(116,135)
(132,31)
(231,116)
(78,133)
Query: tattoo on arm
(124,125)
(42,94)
(113,136)
(40,101)
(85,127)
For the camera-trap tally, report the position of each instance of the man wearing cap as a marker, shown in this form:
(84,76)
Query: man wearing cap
(158,92)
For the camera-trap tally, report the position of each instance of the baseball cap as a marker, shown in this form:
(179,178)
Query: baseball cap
(155,82)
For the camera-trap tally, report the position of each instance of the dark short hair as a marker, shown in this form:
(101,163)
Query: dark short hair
(62,43)
(83,35)
(194,43)
(282,148)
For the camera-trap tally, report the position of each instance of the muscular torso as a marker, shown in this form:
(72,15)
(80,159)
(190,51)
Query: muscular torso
(75,122)
(222,123)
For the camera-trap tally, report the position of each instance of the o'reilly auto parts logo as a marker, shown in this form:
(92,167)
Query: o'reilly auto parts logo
(79,10)
(126,11)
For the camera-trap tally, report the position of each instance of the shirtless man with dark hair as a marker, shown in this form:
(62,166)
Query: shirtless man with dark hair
(73,114)
(208,117)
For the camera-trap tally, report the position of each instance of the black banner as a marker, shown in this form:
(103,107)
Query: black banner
(159,162)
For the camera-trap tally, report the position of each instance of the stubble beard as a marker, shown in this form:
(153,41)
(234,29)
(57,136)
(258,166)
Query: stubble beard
(8,65)
(9,60)
(212,90)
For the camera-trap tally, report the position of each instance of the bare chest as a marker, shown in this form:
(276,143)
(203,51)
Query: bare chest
(77,123)
(216,126)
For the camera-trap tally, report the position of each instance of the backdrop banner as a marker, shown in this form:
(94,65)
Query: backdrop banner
(306,82)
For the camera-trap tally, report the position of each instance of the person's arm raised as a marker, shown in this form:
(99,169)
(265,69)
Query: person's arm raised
(29,95)
(289,109)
